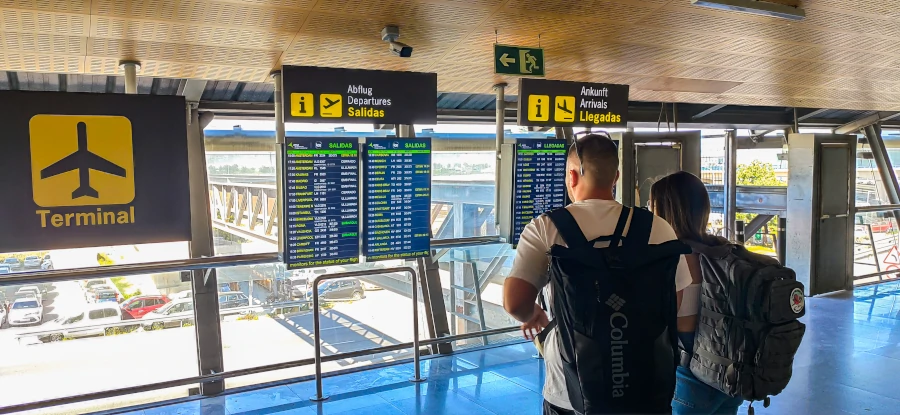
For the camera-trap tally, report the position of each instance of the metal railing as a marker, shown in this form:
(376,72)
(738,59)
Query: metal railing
(60,275)
(879,274)
(317,335)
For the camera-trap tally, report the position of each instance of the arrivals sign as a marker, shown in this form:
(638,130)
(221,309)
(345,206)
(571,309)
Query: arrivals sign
(82,170)
(544,103)
(330,95)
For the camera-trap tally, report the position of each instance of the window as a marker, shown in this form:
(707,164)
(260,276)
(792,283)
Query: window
(137,304)
(95,314)
(110,312)
(223,298)
(188,306)
(25,304)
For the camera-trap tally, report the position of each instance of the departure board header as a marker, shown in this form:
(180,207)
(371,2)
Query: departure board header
(316,94)
(321,186)
(397,198)
(540,181)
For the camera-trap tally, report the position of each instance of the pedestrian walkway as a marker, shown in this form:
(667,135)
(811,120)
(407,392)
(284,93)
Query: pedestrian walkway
(847,364)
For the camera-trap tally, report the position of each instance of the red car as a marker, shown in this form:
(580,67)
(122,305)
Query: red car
(136,307)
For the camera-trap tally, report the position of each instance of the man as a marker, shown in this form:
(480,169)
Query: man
(590,179)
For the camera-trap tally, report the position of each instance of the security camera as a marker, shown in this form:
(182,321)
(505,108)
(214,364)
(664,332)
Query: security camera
(401,49)
(390,34)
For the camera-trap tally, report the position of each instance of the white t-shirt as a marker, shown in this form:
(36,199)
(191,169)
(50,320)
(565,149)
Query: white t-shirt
(596,218)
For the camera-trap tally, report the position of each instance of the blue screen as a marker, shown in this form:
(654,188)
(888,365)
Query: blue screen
(540,181)
(321,186)
(397,192)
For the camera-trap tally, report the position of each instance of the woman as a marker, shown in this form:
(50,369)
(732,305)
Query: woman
(681,199)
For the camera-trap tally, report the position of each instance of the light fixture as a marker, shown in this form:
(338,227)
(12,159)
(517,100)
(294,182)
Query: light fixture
(763,8)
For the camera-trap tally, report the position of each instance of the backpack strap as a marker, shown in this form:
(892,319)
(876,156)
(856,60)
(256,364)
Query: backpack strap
(568,228)
(639,230)
(616,237)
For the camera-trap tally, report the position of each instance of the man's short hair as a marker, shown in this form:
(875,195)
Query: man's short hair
(599,156)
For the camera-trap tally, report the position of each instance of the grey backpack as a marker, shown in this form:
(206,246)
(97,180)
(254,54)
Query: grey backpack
(748,331)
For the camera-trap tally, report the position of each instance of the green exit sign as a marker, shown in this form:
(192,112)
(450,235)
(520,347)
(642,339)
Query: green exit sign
(518,60)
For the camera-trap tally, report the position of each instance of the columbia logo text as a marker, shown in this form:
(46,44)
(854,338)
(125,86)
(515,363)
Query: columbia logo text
(615,302)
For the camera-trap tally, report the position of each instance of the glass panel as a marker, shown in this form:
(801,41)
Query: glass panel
(373,311)
(472,273)
(63,335)
(869,187)
(878,233)
(463,192)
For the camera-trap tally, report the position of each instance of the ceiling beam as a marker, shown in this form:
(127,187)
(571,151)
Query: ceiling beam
(192,89)
(812,113)
(708,111)
(858,124)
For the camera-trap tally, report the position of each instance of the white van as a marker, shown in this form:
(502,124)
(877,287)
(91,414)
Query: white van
(93,321)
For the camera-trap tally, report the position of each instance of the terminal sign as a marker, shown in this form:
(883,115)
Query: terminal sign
(329,95)
(546,103)
(83,170)
(321,186)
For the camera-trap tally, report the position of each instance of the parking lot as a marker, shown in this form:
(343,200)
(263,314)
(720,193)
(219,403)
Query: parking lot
(31,370)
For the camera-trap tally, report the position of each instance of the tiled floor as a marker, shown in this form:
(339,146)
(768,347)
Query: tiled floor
(849,363)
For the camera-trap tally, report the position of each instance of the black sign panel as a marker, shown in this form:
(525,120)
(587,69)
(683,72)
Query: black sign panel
(315,94)
(565,104)
(397,193)
(82,170)
(321,187)
(540,181)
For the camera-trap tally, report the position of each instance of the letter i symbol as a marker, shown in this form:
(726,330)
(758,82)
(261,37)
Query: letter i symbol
(538,115)
(302,104)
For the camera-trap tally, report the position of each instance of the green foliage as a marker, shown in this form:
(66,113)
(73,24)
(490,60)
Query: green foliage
(757,173)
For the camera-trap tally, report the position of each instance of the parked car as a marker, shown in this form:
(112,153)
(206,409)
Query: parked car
(90,322)
(38,295)
(341,289)
(90,283)
(298,285)
(13,264)
(46,262)
(233,299)
(175,314)
(106,295)
(4,306)
(24,312)
(5,269)
(137,307)
(32,262)
(181,294)
(90,294)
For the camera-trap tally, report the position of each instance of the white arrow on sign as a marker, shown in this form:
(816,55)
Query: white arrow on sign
(506,60)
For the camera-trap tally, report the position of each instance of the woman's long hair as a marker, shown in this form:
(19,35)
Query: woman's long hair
(682,200)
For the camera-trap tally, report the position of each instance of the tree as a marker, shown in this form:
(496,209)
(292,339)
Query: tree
(757,173)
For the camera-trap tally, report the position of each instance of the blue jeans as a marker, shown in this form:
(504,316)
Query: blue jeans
(693,397)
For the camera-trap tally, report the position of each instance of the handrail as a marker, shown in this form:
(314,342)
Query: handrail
(876,208)
(122,270)
(317,335)
(465,242)
(235,373)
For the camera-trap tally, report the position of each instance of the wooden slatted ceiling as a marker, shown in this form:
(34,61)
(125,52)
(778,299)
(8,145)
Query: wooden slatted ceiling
(845,54)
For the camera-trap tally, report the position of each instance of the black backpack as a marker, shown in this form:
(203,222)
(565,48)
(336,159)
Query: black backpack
(748,331)
(615,309)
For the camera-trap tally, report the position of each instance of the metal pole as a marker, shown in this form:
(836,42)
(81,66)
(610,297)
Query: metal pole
(500,90)
(730,188)
(130,68)
(781,242)
(739,231)
(874,249)
(883,162)
(279,155)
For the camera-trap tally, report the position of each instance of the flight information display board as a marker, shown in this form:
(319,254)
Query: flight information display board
(540,181)
(397,198)
(321,187)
